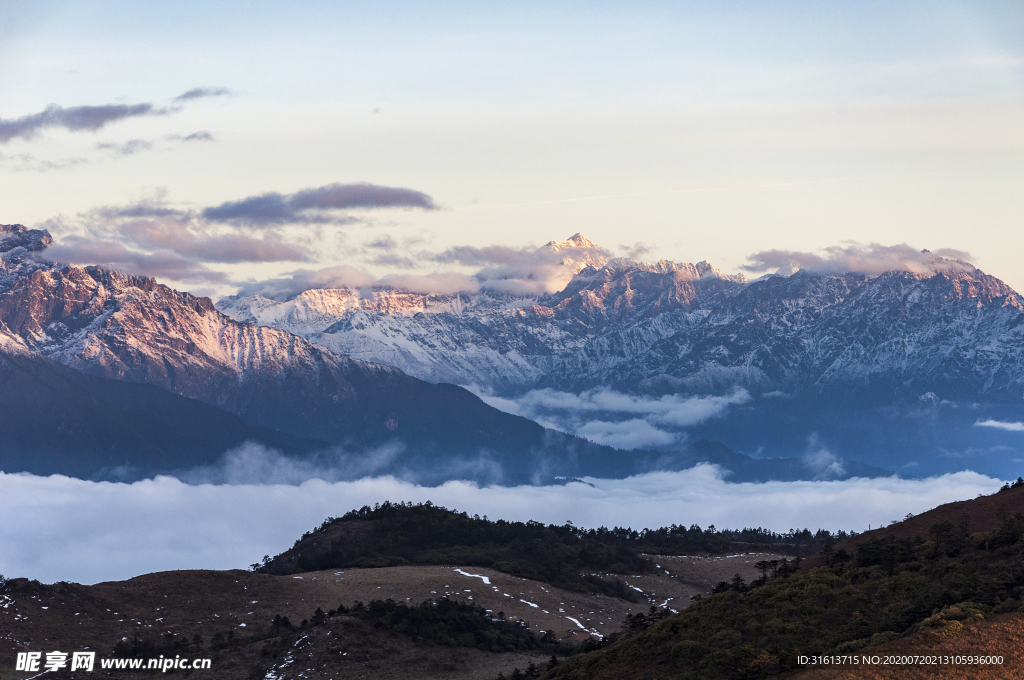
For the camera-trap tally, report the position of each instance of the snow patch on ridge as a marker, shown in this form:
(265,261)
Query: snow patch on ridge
(486,580)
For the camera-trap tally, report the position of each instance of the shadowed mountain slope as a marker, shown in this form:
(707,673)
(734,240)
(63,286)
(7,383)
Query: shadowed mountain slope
(56,420)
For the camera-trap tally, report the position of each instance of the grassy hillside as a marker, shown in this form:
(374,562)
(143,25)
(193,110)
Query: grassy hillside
(881,590)
(564,556)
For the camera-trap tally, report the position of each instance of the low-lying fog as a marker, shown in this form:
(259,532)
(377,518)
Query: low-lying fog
(59,528)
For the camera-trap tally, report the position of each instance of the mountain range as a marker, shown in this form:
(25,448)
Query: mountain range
(894,368)
(837,374)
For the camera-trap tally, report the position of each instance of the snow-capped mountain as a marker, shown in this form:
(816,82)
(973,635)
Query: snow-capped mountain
(891,369)
(888,367)
(492,339)
(684,328)
(132,329)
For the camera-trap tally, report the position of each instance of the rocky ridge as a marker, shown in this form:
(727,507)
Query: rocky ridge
(668,327)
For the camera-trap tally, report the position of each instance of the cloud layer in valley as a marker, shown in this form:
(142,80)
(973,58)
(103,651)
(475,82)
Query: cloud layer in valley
(871,259)
(612,418)
(69,529)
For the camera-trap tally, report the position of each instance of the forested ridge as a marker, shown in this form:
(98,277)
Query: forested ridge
(566,556)
(889,588)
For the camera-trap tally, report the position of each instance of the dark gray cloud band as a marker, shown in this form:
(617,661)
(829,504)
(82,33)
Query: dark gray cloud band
(153,238)
(75,119)
(93,118)
(317,205)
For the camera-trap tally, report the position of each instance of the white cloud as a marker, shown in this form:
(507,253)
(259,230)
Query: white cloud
(253,463)
(871,259)
(822,462)
(1000,425)
(59,528)
(441,283)
(346,276)
(617,424)
(628,434)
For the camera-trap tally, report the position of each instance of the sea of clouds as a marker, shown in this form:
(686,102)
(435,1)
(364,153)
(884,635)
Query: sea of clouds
(83,531)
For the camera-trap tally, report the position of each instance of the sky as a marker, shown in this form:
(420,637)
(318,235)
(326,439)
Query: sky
(228,143)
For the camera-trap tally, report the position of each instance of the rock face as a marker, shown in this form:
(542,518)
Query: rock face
(17,236)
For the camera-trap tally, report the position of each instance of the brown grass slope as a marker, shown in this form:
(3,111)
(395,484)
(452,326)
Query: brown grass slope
(743,625)
(984,513)
(168,608)
(999,636)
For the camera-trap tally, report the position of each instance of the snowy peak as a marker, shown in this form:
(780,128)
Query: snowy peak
(577,240)
(577,252)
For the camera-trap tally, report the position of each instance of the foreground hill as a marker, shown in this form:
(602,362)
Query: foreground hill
(891,589)
(730,616)
(979,515)
(565,556)
(368,622)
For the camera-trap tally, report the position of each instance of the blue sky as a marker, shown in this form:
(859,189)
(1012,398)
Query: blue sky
(705,130)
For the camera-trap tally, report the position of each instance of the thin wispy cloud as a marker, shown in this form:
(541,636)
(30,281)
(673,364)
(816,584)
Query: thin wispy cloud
(152,238)
(1016,426)
(129,148)
(202,93)
(519,271)
(88,532)
(114,255)
(347,276)
(75,119)
(525,271)
(26,162)
(635,251)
